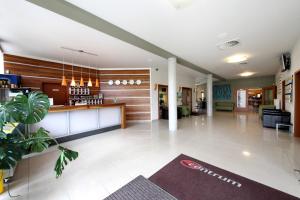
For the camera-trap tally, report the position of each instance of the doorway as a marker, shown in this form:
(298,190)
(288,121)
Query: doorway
(248,100)
(269,94)
(297,105)
(187,97)
(241,96)
(162,100)
(57,92)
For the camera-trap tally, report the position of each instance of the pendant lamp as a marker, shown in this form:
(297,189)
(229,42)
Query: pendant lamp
(90,84)
(73,83)
(81,80)
(97,80)
(64,81)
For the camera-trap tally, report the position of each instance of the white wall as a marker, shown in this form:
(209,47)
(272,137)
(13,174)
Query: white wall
(1,63)
(161,77)
(295,61)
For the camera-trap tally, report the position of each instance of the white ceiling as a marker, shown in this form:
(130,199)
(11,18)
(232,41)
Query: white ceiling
(266,29)
(29,30)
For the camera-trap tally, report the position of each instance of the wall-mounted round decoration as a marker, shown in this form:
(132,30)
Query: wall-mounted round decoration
(131,82)
(117,82)
(124,82)
(110,82)
(138,82)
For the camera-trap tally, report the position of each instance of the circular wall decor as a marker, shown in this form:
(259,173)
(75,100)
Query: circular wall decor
(117,82)
(124,82)
(138,82)
(110,82)
(131,82)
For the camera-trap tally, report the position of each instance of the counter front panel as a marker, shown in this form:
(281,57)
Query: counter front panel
(67,121)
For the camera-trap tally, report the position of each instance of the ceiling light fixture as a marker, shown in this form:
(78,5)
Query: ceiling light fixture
(73,83)
(246,153)
(246,74)
(180,3)
(237,58)
(90,84)
(81,84)
(97,80)
(64,81)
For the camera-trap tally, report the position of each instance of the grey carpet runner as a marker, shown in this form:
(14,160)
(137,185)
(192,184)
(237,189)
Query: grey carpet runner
(140,189)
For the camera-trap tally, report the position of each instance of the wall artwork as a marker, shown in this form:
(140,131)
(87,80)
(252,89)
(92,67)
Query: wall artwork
(222,92)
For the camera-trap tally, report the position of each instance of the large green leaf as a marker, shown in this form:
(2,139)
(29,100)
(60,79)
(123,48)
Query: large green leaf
(65,156)
(38,141)
(31,109)
(11,151)
(5,114)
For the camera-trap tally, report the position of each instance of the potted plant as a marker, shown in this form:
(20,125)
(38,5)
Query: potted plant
(19,113)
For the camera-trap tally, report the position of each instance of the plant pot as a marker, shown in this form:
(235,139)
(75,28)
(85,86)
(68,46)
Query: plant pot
(1,182)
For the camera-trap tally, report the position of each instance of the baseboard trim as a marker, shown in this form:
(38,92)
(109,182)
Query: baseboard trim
(86,134)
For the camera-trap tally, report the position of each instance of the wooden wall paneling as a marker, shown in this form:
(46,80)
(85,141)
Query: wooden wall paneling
(126,93)
(138,116)
(130,101)
(137,108)
(36,72)
(130,72)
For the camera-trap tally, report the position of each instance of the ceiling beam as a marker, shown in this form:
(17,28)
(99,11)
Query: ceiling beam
(81,16)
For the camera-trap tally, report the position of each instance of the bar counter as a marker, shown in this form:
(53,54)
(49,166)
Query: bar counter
(67,123)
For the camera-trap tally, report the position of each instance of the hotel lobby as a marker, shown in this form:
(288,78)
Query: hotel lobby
(149,100)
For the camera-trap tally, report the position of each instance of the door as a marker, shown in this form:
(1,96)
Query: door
(187,97)
(162,100)
(269,94)
(297,105)
(241,96)
(57,92)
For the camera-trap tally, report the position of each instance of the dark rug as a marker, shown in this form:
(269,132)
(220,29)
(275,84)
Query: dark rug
(190,179)
(140,189)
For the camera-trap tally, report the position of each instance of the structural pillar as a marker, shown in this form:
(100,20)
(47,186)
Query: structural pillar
(209,95)
(172,94)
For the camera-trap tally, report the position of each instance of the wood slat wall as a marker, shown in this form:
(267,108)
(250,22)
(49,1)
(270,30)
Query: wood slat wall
(35,72)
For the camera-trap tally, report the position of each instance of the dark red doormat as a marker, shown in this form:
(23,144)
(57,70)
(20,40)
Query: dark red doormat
(189,179)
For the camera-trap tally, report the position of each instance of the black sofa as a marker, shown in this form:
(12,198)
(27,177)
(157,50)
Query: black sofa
(271,117)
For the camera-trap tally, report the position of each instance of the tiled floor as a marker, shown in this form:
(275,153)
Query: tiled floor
(108,161)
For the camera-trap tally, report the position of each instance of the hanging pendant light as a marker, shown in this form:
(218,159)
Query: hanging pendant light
(97,80)
(81,80)
(73,83)
(64,81)
(90,84)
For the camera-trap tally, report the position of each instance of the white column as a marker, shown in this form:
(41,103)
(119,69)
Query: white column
(1,63)
(172,94)
(209,95)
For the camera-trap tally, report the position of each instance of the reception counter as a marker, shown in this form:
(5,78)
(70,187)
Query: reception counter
(67,123)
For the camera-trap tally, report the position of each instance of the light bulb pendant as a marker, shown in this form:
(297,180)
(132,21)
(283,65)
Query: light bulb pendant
(90,84)
(64,81)
(97,83)
(81,82)
(73,83)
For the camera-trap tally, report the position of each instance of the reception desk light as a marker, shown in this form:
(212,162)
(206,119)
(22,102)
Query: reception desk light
(97,80)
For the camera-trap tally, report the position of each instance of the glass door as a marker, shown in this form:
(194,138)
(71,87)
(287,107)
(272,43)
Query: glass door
(241,100)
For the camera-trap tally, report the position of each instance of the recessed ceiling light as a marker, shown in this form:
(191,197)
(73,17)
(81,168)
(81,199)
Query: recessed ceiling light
(246,153)
(180,3)
(237,58)
(245,74)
